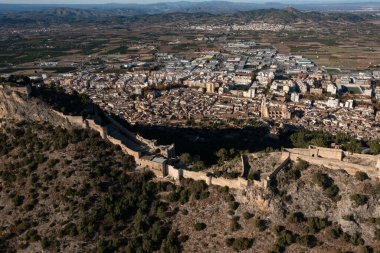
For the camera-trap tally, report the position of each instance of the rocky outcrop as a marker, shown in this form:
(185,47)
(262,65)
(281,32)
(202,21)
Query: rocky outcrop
(14,104)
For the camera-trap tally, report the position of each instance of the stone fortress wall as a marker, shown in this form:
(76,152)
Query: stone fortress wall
(159,169)
(335,159)
(144,161)
(327,157)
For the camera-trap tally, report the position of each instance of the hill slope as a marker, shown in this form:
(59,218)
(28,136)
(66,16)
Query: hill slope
(68,190)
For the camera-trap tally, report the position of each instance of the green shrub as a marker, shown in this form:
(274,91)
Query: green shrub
(256,175)
(301,164)
(356,239)
(247,215)
(361,176)
(234,205)
(235,225)
(316,224)
(45,243)
(284,239)
(377,234)
(335,232)
(332,191)
(260,224)
(277,249)
(366,249)
(173,196)
(200,226)
(322,180)
(32,235)
(309,241)
(224,190)
(296,217)
(359,199)
(239,244)
(204,195)
(18,200)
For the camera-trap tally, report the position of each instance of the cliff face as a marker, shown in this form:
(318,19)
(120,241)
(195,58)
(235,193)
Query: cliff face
(14,104)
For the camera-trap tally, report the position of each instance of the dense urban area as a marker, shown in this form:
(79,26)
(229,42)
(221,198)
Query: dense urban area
(241,81)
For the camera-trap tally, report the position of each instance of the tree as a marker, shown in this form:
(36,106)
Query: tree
(247,215)
(200,226)
(361,176)
(374,147)
(185,158)
(222,155)
(359,199)
(319,141)
(377,234)
(321,179)
(301,164)
(307,240)
(332,191)
(239,244)
(199,166)
(260,224)
(354,146)
(298,140)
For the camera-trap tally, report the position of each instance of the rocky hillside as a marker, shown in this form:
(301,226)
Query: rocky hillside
(14,104)
(66,190)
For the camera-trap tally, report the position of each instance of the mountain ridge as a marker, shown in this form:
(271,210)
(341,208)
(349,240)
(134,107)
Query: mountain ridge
(272,15)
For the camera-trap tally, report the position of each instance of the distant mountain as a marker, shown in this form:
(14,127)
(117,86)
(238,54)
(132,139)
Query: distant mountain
(291,15)
(166,13)
(214,7)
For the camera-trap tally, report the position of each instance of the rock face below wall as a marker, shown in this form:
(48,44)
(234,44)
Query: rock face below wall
(15,105)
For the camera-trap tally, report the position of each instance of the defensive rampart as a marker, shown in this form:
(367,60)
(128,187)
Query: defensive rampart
(237,183)
(136,146)
(334,160)
(157,166)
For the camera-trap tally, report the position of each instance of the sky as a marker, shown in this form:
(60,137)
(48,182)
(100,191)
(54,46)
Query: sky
(155,1)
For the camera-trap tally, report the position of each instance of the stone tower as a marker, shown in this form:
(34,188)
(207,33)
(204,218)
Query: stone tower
(264,111)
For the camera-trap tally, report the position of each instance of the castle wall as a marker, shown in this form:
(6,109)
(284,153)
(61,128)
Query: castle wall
(78,121)
(361,156)
(195,175)
(91,124)
(334,164)
(238,183)
(329,153)
(314,151)
(136,155)
(121,128)
(149,143)
(330,158)
(285,160)
(158,168)
(75,120)
(174,172)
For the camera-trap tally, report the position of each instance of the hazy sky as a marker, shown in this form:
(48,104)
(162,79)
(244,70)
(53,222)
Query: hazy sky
(154,1)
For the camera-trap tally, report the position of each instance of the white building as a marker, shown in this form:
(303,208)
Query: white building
(331,88)
(295,97)
(349,104)
(333,103)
